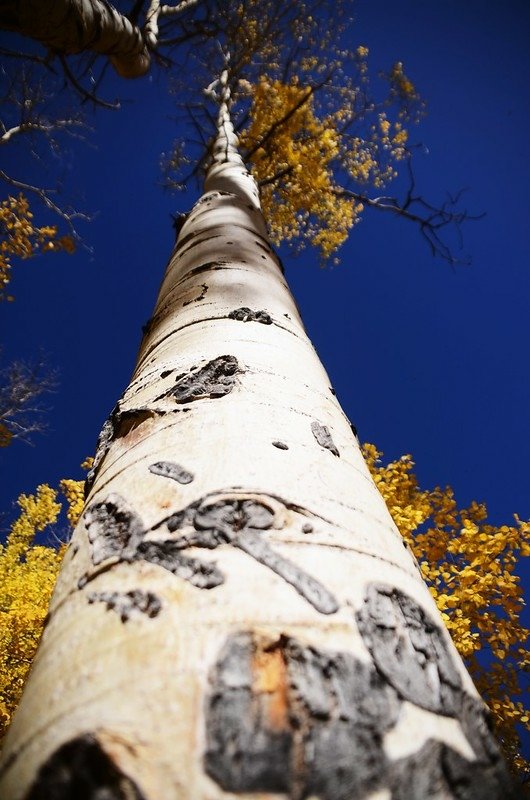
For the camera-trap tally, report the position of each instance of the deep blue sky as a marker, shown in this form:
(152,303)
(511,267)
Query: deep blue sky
(425,359)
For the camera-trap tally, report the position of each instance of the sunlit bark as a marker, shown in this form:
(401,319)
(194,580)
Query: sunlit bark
(237,613)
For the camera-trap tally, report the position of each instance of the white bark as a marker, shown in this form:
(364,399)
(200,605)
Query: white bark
(316,663)
(72,26)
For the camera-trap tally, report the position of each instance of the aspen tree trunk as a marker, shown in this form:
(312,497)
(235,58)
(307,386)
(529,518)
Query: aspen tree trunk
(237,615)
(72,26)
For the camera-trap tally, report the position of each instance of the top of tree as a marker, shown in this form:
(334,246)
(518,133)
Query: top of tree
(322,143)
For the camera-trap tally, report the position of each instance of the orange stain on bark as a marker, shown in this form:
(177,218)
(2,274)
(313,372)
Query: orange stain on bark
(270,685)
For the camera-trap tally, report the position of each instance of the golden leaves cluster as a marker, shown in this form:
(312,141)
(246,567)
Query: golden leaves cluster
(21,238)
(303,155)
(304,203)
(28,572)
(470,568)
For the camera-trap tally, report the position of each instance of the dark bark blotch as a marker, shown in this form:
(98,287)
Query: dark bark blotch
(126,603)
(168,554)
(82,770)
(114,529)
(168,469)
(216,379)
(324,438)
(245,314)
(410,649)
(315,730)
(240,523)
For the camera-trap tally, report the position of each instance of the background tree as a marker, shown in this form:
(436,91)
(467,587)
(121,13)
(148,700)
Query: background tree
(21,410)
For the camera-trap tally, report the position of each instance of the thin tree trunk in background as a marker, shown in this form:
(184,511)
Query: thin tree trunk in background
(73,26)
(237,615)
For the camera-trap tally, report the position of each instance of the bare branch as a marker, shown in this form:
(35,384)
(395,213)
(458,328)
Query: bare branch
(185,5)
(27,57)
(430,219)
(84,93)
(40,126)
(21,388)
(44,196)
(278,176)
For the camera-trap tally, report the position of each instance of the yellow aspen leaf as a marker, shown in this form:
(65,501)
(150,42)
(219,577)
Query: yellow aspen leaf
(20,238)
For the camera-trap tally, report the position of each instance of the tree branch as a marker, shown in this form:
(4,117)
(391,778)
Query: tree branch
(430,223)
(43,195)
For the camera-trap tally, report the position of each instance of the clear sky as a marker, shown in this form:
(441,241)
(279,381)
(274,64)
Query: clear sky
(425,359)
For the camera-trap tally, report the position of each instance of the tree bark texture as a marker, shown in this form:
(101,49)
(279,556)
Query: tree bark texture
(73,26)
(238,616)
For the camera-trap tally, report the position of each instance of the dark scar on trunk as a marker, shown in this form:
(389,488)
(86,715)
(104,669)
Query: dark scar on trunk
(239,522)
(114,530)
(82,770)
(208,267)
(409,648)
(281,445)
(201,296)
(323,437)
(118,424)
(245,314)
(168,554)
(216,379)
(283,717)
(438,771)
(288,718)
(126,603)
(168,469)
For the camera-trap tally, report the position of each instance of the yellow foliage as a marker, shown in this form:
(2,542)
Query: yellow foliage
(20,238)
(303,149)
(296,155)
(401,85)
(75,496)
(27,576)
(469,566)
